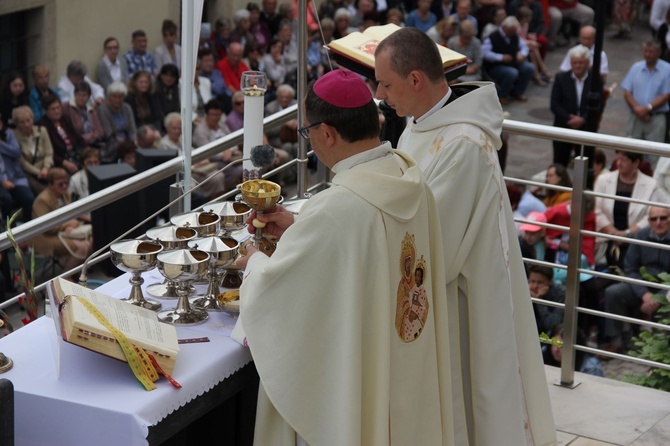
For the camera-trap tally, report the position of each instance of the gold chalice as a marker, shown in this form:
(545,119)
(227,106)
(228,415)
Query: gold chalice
(136,257)
(260,195)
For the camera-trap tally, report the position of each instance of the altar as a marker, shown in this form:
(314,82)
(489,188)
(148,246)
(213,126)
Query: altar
(97,400)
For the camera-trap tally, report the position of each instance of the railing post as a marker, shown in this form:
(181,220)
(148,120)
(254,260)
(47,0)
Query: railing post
(572,283)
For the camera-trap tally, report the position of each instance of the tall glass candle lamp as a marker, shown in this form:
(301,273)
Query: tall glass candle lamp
(254,84)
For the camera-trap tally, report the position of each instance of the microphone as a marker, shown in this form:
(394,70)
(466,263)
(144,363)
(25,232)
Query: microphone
(261,156)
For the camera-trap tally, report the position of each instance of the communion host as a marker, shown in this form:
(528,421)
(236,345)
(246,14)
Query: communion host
(346,321)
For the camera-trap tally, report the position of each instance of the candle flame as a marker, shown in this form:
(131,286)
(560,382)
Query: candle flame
(255,87)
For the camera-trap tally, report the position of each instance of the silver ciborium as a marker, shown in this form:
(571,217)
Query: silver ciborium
(171,237)
(260,195)
(136,257)
(183,266)
(234,216)
(205,223)
(222,252)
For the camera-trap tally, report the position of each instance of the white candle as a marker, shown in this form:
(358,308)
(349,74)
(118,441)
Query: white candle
(254,85)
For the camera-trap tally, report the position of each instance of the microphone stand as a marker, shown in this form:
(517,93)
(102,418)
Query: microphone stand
(82,277)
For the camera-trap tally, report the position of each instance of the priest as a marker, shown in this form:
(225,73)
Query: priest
(347,321)
(454,134)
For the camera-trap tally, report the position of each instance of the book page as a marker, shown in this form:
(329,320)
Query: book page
(138,324)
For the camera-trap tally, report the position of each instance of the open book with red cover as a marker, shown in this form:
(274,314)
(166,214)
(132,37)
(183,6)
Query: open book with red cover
(356,51)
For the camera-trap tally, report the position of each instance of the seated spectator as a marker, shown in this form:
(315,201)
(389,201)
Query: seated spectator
(541,285)
(286,136)
(343,26)
(252,56)
(443,31)
(36,150)
(64,139)
(275,68)
(217,85)
(523,202)
(111,67)
(505,55)
(288,38)
(14,188)
(172,138)
(75,73)
(127,151)
(166,93)
(59,242)
(147,137)
(557,175)
(537,24)
(138,58)
(221,37)
(78,187)
(362,10)
(13,93)
(560,215)
(232,67)
(202,94)
(241,28)
(83,116)
(463,12)
(142,101)
(498,15)
(117,121)
(470,46)
(532,240)
(258,28)
(628,299)
(395,16)
(168,52)
(600,164)
(542,75)
(421,17)
(212,127)
(563,10)
(587,38)
(39,91)
(622,218)
(318,45)
(584,362)
(235,119)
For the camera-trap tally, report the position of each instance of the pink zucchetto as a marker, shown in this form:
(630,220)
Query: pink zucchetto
(343,89)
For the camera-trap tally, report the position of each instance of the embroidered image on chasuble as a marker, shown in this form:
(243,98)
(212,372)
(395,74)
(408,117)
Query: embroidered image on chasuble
(412,301)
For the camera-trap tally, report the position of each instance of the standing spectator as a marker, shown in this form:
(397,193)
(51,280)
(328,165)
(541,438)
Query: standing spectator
(75,73)
(657,16)
(232,67)
(166,93)
(466,122)
(36,150)
(569,102)
(622,218)
(13,93)
(470,46)
(218,86)
(39,91)
(505,55)
(221,37)
(111,67)
(647,90)
(463,12)
(258,28)
(78,187)
(117,121)
(421,17)
(624,16)
(541,285)
(84,116)
(14,188)
(168,52)
(628,299)
(664,37)
(141,99)
(138,58)
(587,38)
(64,139)
(570,10)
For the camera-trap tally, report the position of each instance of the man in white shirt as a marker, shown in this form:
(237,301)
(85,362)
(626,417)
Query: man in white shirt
(587,38)
(75,73)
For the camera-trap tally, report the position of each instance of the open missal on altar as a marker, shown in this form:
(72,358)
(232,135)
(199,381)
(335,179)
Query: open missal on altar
(141,326)
(356,51)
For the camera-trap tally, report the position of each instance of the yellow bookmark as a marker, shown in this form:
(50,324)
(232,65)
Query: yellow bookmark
(137,358)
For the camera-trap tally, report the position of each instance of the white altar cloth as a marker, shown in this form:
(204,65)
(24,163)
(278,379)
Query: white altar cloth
(97,400)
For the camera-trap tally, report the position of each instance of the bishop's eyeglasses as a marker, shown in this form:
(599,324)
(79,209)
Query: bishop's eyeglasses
(304,131)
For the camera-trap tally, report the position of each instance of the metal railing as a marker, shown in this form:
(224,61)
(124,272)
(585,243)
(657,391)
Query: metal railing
(576,231)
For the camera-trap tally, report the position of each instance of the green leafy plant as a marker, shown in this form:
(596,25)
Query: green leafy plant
(26,279)
(654,346)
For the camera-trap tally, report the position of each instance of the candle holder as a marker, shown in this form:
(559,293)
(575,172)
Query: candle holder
(260,195)
(222,252)
(136,257)
(171,237)
(183,266)
(253,84)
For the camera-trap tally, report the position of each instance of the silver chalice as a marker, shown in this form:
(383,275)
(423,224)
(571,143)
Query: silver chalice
(222,252)
(183,266)
(171,237)
(136,257)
